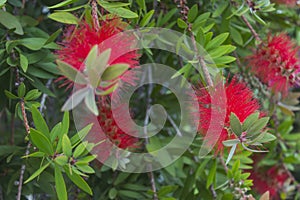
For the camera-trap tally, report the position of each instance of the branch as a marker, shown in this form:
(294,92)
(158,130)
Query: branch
(146,121)
(184,12)
(254,33)
(95,15)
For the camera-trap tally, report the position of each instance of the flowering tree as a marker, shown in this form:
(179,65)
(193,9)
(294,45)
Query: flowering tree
(149,99)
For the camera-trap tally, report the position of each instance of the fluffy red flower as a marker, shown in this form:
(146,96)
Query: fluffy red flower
(271,180)
(240,101)
(276,63)
(286,2)
(79,40)
(110,134)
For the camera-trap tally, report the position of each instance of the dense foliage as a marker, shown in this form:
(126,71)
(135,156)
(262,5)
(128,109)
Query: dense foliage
(237,61)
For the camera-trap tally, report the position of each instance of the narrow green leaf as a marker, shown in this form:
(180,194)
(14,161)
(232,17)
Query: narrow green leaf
(122,12)
(10,22)
(181,23)
(65,123)
(80,182)
(66,145)
(193,12)
(236,36)
(10,95)
(249,121)
(32,95)
(39,122)
(64,17)
(60,185)
(232,150)
(235,124)
(81,134)
(91,57)
(114,71)
(75,99)
(90,102)
(267,137)
(85,168)
(217,41)
(64,3)
(37,173)
(79,150)
(211,175)
(21,90)
(37,154)
(55,132)
(257,126)
(147,18)
(229,143)
(53,36)
(23,62)
(86,159)
(71,73)
(61,160)
(41,141)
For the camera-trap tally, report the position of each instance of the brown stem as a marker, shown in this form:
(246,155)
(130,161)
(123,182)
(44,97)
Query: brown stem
(95,15)
(184,12)
(23,167)
(254,33)
(25,120)
(223,164)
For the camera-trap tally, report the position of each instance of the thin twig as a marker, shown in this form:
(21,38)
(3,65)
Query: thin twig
(213,192)
(146,121)
(223,164)
(254,33)
(95,15)
(184,12)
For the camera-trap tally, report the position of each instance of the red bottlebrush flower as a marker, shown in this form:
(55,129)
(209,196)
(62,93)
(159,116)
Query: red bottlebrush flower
(240,101)
(288,3)
(110,132)
(276,63)
(272,180)
(79,41)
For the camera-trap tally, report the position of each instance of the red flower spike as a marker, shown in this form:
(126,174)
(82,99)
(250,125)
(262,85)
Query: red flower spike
(276,63)
(79,41)
(272,179)
(239,101)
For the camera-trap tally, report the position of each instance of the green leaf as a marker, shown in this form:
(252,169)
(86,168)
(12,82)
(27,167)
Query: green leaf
(64,3)
(217,41)
(33,43)
(86,159)
(37,154)
(70,72)
(75,99)
(10,95)
(232,150)
(181,23)
(221,50)
(53,36)
(221,7)
(211,175)
(130,194)
(10,22)
(235,167)
(56,130)
(85,168)
(61,160)
(41,141)
(80,182)
(2,3)
(112,194)
(249,121)
(122,12)
(60,185)
(91,57)
(193,12)
(235,124)
(37,173)
(81,134)
(267,137)
(64,17)
(229,143)
(39,122)
(224,60)
(66,145)
(258,19)
(147,18)
(32,95)
(90,102)
(114,71)
(257,126)
(23,62)
(65,123)
(236,36)
(79,150)
(21,90)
